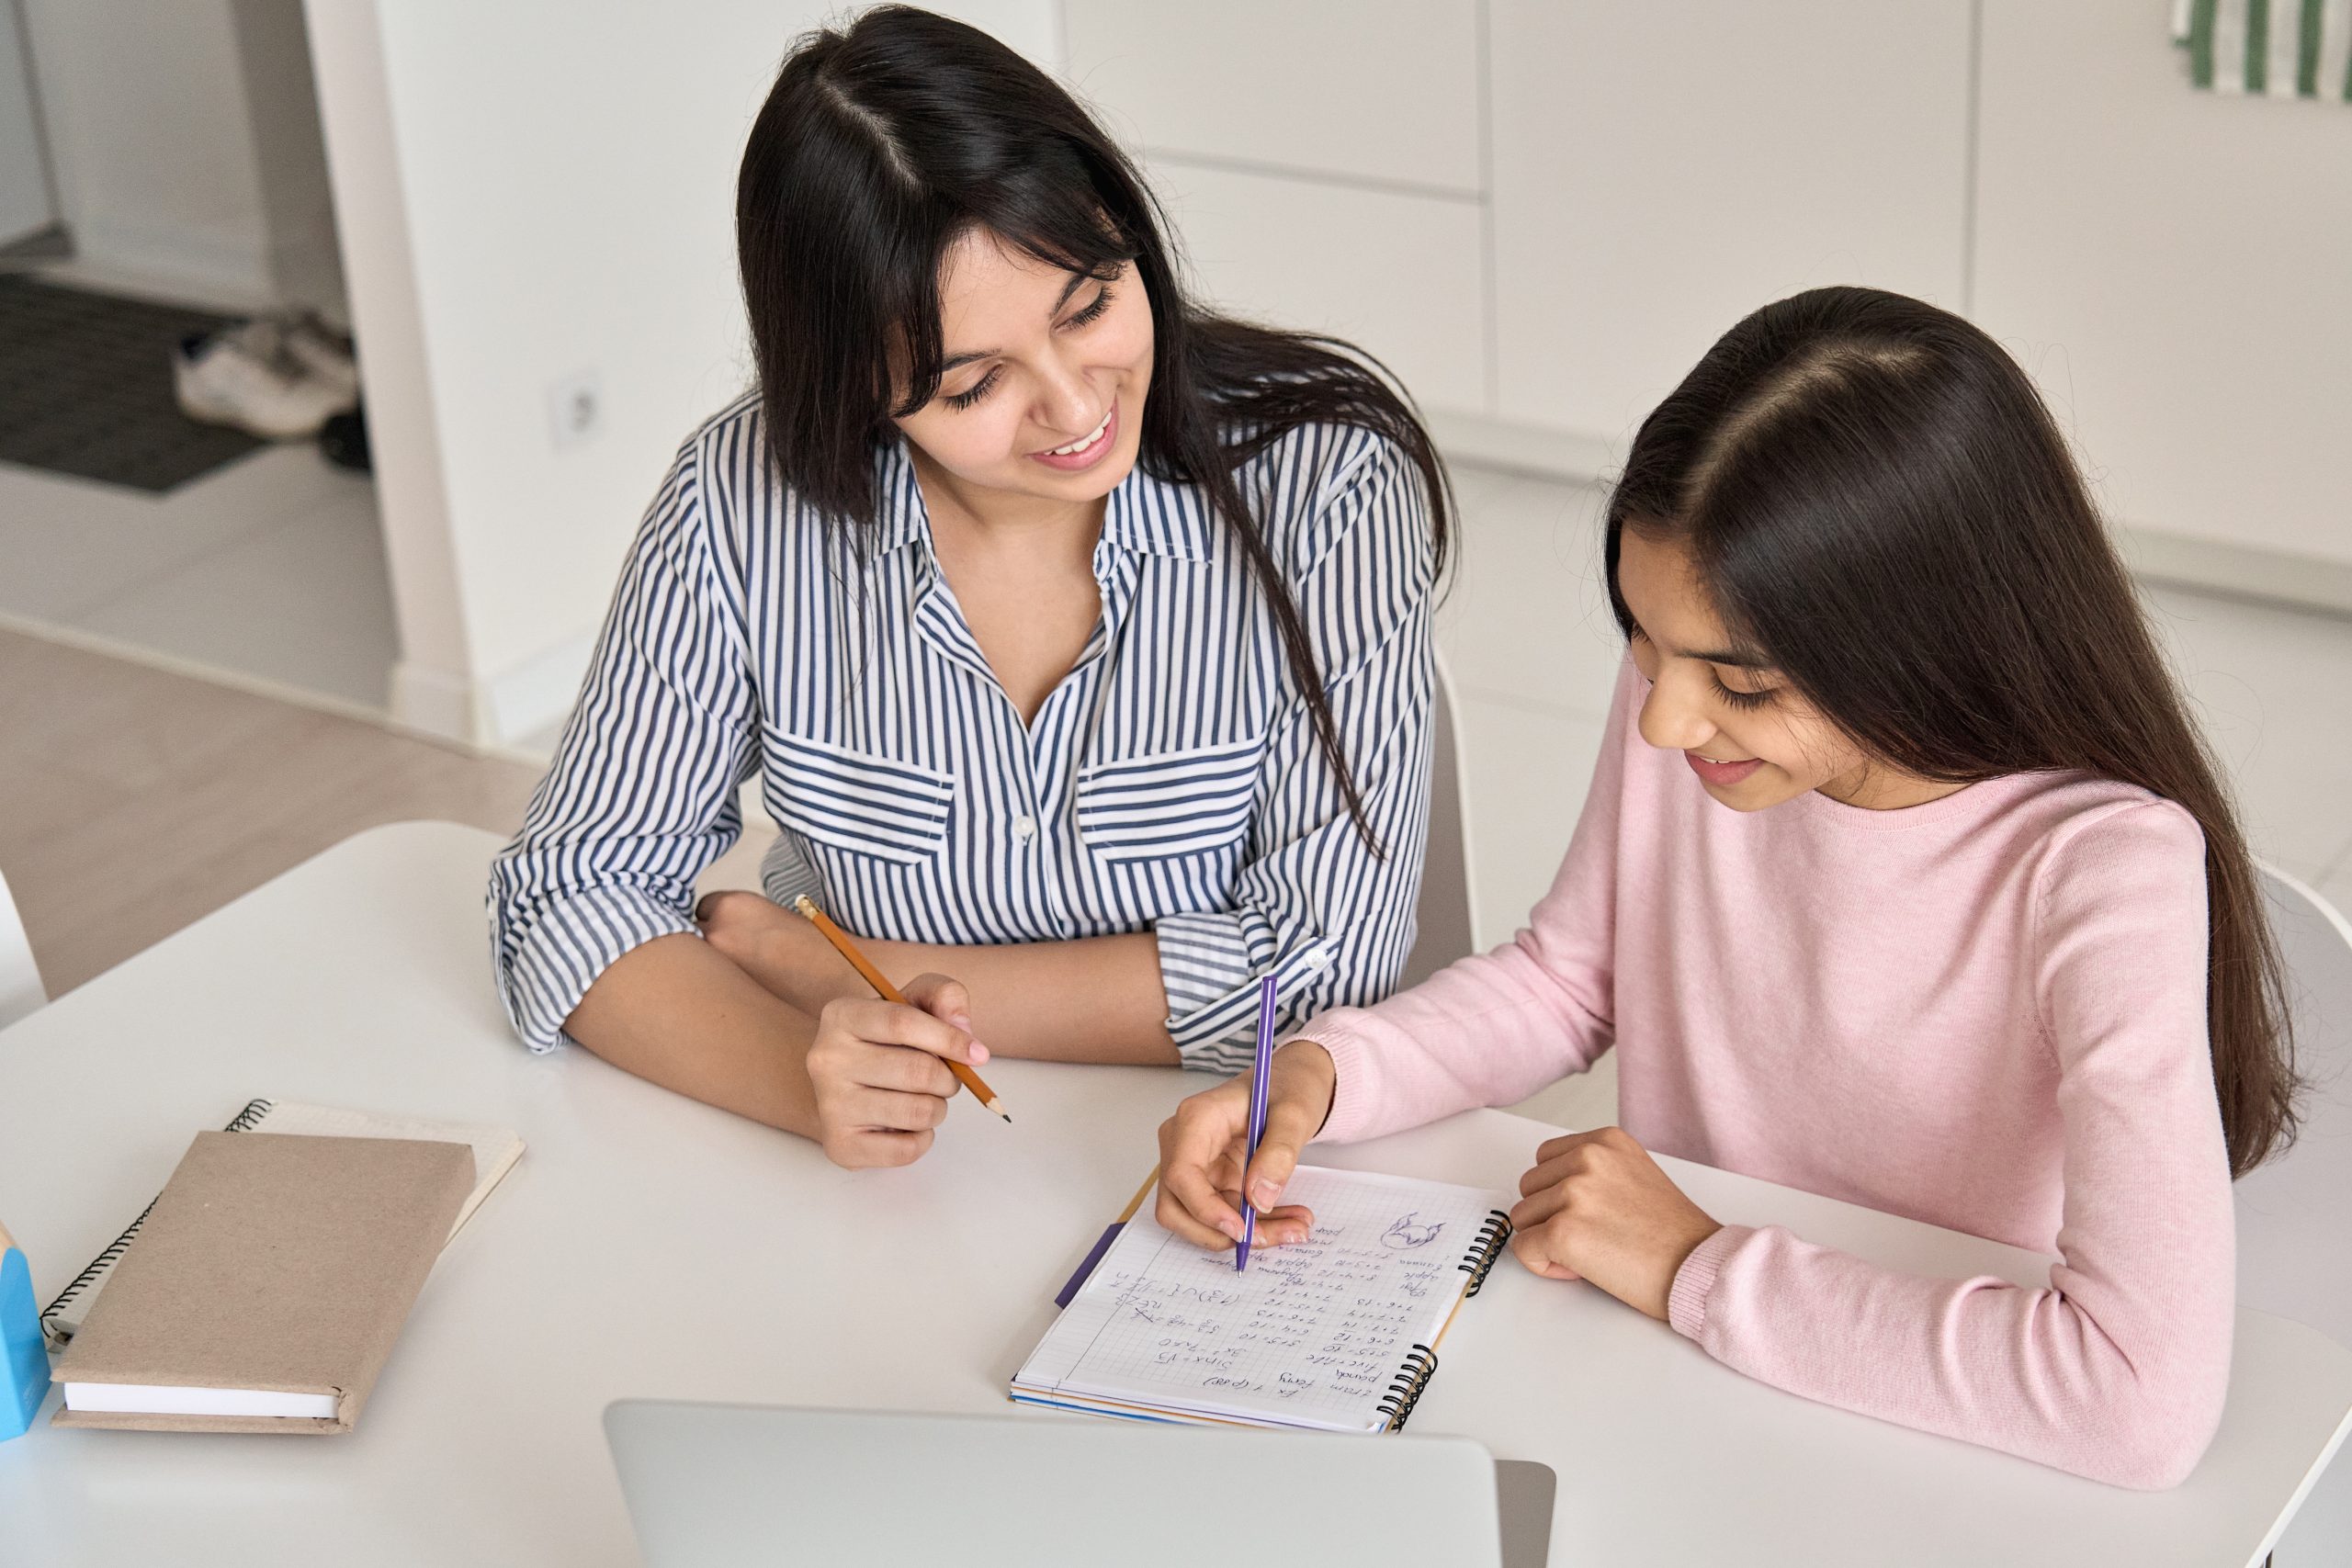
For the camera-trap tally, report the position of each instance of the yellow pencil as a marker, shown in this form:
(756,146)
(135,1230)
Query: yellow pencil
(890,993)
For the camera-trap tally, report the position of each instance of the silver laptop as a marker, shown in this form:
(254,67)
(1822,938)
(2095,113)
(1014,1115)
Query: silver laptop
(716,1485)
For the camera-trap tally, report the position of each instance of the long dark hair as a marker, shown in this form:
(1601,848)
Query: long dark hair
(1852,470)
(884,141)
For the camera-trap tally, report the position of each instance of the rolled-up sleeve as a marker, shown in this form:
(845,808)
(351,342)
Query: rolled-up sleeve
(641,797)
(1328,915)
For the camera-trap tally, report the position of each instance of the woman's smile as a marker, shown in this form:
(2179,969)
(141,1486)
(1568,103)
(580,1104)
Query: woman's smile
(1088,449)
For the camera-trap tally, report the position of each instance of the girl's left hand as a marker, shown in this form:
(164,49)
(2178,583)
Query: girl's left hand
(1598,1207)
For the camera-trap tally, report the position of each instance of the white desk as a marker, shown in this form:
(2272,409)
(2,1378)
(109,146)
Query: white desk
(640,1249)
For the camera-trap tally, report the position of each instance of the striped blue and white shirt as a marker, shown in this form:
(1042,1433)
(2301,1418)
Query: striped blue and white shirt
(1170,783)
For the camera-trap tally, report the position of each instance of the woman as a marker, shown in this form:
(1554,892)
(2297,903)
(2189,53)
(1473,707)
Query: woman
(1078,638)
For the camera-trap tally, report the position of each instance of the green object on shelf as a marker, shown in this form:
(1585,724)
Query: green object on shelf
(2279,48)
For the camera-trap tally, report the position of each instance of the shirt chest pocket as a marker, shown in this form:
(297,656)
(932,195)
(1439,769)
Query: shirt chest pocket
(868,804)
(1169,804)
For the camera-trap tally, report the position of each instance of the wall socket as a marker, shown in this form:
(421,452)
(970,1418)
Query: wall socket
(575,409)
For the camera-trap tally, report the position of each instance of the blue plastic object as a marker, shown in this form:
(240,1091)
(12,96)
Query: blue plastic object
(24,1360)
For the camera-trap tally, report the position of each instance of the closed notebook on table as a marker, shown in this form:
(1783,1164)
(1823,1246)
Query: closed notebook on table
(270,1282)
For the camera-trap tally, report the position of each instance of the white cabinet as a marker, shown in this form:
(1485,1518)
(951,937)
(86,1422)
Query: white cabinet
(1382,90)
(2176,268)
(1661,169)
(1393,272)
(1321,160)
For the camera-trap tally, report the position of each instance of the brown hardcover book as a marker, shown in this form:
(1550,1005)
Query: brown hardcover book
(268,1284)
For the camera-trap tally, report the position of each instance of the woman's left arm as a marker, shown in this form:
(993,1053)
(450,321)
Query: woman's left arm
(1314,905)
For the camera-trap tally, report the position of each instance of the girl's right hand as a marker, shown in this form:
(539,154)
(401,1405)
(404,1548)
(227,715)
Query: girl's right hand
(1201,1149)
(880,1071)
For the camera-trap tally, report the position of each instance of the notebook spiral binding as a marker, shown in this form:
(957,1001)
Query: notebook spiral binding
(245,1121)
(1420,1365)
(1421,1362)
(1479,1261)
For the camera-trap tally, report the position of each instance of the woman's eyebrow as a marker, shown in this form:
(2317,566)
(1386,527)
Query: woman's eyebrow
(1076,281)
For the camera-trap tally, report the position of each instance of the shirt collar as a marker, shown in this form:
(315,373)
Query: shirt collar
(1144,515)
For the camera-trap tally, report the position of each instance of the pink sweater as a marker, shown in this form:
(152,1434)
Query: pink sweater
(1987,1012)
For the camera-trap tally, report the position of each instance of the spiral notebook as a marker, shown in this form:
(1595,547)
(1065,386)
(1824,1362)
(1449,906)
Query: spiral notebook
(1339,1333)
(495,1151)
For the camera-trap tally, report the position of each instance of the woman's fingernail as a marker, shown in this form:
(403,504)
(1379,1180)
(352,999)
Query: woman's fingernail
(1264,1194)
(979,1052)
(1232,1228)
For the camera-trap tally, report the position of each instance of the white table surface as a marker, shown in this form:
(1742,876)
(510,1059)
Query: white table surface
(648,1246)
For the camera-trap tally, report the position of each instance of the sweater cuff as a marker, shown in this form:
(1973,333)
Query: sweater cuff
(1351,1088)
(1686,1303)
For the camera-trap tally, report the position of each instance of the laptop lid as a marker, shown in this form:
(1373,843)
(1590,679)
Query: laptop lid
(718,1485)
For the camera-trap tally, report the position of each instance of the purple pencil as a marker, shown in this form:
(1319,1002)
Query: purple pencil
(1256,1115)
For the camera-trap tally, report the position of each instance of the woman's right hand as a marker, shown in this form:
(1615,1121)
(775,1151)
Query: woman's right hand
(880,1071)
(1202,1146)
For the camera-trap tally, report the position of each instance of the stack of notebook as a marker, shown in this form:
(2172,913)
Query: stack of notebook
(263,1290)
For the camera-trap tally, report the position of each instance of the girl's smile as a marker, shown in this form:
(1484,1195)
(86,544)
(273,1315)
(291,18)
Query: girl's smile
(1722,775)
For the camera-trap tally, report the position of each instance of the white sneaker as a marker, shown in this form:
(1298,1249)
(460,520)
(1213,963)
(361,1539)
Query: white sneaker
(322,351)
(301,345)
(221,379)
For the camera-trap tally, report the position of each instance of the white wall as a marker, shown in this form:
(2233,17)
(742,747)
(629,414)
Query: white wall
(1607,187)
(2177,268)
(152,140)
(26,206)
(290,155)
(1538,211)
(1663,169)
(1335,176)
(532,192)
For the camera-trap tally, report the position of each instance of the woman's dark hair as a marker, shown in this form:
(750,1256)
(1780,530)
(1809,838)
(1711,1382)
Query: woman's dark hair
(883,142)
(1854,470)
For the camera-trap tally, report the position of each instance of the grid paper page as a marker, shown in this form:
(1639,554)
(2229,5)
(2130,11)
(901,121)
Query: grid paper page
(1311,1335)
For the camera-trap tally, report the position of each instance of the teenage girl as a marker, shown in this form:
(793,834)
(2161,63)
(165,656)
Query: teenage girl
(1904,878)
(1078,635)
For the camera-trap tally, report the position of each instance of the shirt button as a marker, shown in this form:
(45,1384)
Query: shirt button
(1024,827)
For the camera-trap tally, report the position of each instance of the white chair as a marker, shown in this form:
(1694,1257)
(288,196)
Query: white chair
(1442,915)
(2294,1215)
(20,988)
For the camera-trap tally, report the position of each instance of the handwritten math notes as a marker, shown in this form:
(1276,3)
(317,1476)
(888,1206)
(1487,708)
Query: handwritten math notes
(1321,1333)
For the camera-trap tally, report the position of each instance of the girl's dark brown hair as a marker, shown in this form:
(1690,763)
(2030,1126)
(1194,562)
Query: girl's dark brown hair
(1852,470)
(883,142)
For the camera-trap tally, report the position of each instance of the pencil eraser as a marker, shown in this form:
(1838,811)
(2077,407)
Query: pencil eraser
(24,1360)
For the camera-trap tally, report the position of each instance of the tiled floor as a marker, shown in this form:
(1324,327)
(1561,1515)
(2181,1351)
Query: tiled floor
(271,568)
(133,801)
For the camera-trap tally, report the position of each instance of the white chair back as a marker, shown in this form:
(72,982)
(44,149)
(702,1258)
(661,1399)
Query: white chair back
(20,987)
(1442,915)
(2294,1214)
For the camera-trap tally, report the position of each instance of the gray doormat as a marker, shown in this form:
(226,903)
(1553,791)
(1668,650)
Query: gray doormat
(85,389)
